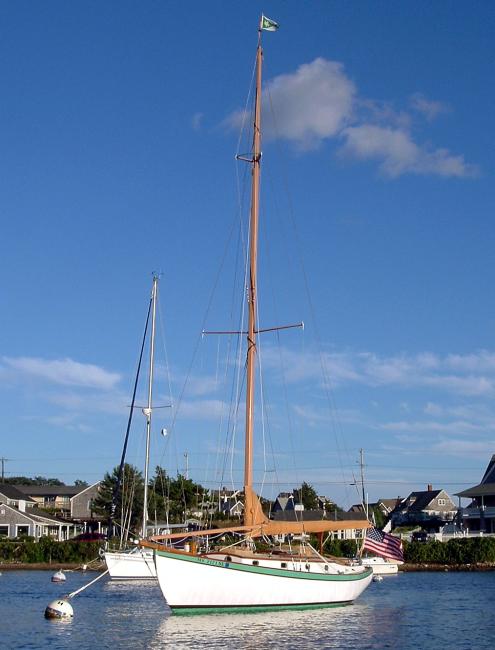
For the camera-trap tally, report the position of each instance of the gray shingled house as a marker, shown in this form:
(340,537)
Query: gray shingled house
(20,522)
(479,516)
(431,509)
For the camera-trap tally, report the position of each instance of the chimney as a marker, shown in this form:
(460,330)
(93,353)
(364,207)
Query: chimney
(430,487)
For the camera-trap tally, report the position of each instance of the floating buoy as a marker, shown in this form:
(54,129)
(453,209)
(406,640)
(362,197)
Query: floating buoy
(59,609)
(58,577)
(377,578)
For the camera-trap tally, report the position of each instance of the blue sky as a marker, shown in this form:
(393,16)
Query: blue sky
(118,130)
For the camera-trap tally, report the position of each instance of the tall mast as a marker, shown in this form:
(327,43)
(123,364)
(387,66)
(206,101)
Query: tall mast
(149,409)
(253,255)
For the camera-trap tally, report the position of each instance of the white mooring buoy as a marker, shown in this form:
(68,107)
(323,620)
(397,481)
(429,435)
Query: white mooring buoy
(377,578)
(58,577)
(59,609)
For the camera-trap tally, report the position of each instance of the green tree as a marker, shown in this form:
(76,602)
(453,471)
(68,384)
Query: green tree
(42,480)
(173,497)
(129,501)
(306,495)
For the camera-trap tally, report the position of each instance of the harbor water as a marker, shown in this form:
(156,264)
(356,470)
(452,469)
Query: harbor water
(410,611)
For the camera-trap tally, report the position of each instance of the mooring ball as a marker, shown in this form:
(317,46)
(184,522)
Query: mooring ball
(59,576)
(59,609)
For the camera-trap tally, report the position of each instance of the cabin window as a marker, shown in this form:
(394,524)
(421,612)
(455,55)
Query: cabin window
(228,558)
(255,563)
(326,567)
(283,565)
(4,531)
(307,567)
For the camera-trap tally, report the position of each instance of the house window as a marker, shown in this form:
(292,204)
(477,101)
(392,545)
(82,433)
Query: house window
(4,531)
(22,531)
(441,502)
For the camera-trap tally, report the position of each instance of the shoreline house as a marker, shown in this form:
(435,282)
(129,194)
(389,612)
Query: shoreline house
(11,496)
(20,517)
(56,498)
(82,509)
(22,511)
(479,515)
(431,509)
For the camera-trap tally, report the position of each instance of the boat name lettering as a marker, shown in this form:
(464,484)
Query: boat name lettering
(214,562)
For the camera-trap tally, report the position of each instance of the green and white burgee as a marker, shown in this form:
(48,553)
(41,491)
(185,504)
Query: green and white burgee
(268,25)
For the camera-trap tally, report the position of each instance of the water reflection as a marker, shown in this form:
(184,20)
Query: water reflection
(354,626)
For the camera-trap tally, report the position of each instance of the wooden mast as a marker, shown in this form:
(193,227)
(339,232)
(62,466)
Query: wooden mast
(249,514)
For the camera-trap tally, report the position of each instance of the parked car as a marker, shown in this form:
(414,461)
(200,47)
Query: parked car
(419,536)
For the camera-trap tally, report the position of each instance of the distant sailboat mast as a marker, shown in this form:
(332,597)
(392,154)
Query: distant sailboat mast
(147,412)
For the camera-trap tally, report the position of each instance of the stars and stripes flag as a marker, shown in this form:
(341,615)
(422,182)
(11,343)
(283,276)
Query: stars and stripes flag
(383,544)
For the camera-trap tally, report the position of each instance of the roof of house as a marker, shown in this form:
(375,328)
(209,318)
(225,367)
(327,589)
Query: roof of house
(51,490)
(315,515)
(38,516)
(481,490)
(12,492)
(419,501)
(487,485)
(389,503)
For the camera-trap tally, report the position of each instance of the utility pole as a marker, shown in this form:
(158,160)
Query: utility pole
(361,465)
(4,460)
(186,456)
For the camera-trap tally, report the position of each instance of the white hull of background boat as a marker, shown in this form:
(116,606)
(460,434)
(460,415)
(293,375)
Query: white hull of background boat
(135,565)
(202,583)
(381,566)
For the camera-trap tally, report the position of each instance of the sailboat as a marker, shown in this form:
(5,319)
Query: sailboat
(199,580)
(374,553)
(138,563)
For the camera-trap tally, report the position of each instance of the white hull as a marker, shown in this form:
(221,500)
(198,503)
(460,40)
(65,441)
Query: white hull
(201,583)
(135,565)
(381,566)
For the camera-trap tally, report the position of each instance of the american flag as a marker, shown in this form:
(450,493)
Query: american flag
(383,544)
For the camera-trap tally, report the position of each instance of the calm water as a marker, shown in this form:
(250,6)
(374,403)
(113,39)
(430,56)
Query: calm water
(413,611)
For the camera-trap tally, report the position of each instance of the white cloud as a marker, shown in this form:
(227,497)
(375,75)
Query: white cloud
(429,108)
(463,448)
(64,371)
(312,104)
(398,154)
(207,409)
(474,376)
(196,121)
(425,426)
(319,101)
(307,106)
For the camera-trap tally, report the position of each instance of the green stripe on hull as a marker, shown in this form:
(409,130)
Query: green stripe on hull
(282,573)
(245,609)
